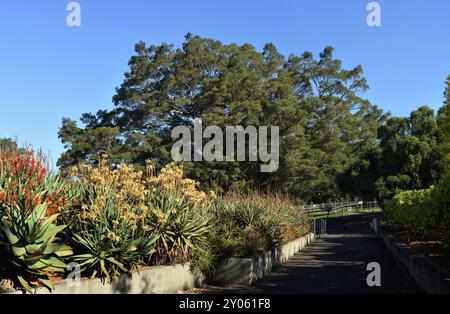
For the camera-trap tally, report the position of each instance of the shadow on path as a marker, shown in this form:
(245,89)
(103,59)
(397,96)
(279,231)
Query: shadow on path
(334,264)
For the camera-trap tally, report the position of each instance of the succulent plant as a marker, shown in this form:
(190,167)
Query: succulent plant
(32,246)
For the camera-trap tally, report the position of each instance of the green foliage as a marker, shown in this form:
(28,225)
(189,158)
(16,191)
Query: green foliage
(179,228)
(413,153)
(85,144)
(245,225)
(324,124)
(117,220)
(124,221)
(424,213)
(31,200)
(8,145)
(440,205)
(411,210)
(408,157)
(443,121)
(233,235)
(31,246)
(105,242)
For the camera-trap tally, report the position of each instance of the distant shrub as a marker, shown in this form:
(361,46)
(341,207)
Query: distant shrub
(423,213)
(290,219)
(410,210)
(246,224)
(440,204)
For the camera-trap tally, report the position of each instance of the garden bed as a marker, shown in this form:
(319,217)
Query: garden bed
(429,276)
(113,221)
(432,249)
(180,277)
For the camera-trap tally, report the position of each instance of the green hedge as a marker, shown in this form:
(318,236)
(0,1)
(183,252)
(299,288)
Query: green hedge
(423,213)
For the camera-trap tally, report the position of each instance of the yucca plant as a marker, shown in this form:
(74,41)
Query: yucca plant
(32,247)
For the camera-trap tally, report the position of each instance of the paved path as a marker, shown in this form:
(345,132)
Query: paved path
(334,264)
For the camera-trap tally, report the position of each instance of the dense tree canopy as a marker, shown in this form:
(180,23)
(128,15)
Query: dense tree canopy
(413,153)
(444,128)
(410,156)
(324,123)
(333,142)
(7,144)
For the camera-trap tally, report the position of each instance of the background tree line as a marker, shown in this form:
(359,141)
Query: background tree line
(333,142)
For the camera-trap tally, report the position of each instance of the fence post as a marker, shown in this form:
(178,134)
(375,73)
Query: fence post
(375,225)
(321,227)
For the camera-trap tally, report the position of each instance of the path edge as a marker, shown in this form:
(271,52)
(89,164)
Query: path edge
(429,276)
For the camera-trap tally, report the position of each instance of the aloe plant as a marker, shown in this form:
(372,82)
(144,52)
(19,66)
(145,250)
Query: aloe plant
(178,228)
(108,242)
(104,258)
(32,246)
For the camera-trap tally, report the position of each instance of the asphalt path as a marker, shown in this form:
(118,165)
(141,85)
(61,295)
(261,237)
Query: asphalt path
(335,264)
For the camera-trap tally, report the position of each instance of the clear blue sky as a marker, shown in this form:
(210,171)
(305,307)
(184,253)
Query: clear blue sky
(49,70)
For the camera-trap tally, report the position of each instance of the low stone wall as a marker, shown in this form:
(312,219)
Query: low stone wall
(430,277)
(152,280)
(246,271)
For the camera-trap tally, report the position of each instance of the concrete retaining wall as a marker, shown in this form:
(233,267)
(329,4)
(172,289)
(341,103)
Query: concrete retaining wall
(152,280)
(246,271)
(430,277)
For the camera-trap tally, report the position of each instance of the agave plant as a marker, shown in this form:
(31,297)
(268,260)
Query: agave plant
(32,246)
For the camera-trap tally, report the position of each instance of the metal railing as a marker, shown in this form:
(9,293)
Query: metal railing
(319,227)
(339,206)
